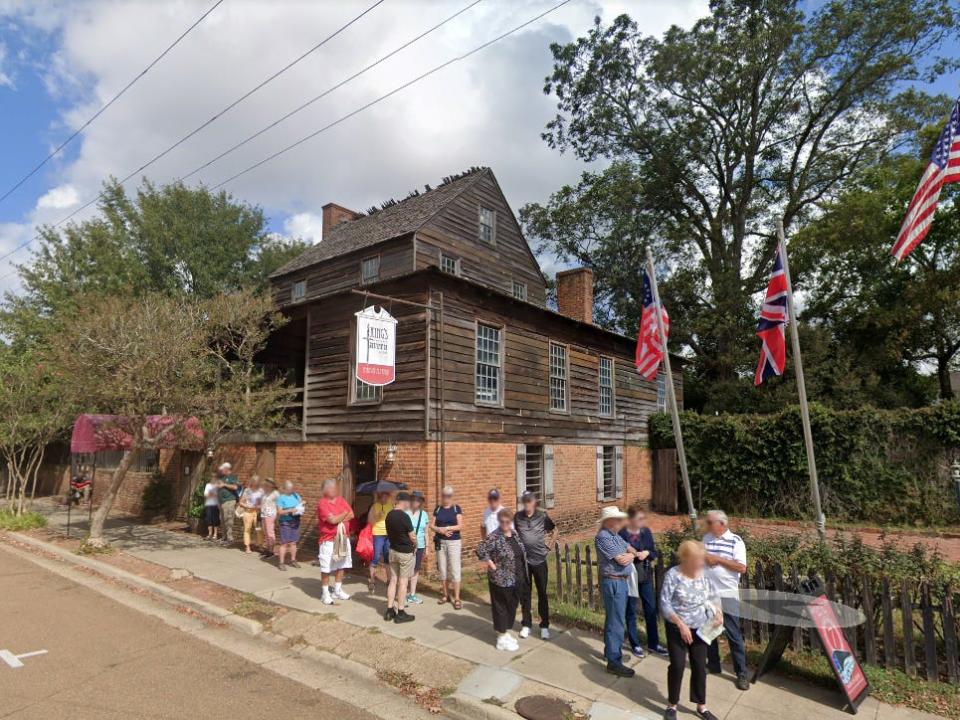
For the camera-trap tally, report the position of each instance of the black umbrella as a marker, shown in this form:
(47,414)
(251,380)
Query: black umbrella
(376,486)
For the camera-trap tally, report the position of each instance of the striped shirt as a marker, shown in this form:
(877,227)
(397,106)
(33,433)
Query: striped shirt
(608,547)
(729,547)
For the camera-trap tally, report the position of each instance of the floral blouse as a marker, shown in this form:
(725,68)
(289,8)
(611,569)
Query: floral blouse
(497,547)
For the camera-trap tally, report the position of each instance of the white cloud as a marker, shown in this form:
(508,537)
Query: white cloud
(59,198)
(305,225)
(6,80)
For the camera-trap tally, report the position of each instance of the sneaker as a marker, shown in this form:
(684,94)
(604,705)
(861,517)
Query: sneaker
(403,617)
(743,682)
(295,564)
(390,615)
(326,599)
(706,715)
(638,652)
(414,599)
(670,714)
(282,567)
(524,632)
(620,670)
(507,643)
(544,633)
(660,650)
(339,594)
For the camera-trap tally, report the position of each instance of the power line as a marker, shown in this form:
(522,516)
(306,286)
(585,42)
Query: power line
(397,89)
(199,128)
(111,101)
(326,92)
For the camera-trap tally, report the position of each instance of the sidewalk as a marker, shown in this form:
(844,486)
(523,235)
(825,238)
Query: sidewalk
(455,649)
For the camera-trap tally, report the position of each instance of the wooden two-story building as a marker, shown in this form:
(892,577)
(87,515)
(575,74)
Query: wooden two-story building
(493,388)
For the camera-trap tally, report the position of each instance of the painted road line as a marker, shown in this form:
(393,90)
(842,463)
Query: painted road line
(14,661)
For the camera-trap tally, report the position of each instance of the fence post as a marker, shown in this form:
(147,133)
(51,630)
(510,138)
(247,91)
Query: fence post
(950,635)
(869,630)
(849,600)
(906,612)
(576,559)
(558,590)
(929,634)
(591,599)
(797,631)
(889,644)
(566,562)
(760,584)
(657,584)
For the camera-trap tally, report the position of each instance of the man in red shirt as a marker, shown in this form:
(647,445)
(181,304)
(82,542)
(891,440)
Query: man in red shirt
(335,554)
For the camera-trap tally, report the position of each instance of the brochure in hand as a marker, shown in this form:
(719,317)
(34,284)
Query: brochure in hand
(710,631)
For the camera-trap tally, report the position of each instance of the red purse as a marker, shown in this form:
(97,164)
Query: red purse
(365,543)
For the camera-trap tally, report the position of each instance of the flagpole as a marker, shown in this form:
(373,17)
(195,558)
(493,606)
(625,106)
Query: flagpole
(671,392)
(801,388)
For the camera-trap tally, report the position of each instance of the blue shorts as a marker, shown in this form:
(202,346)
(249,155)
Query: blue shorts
(381,550)
(419,560)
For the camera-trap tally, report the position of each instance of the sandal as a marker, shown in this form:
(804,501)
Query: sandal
(443,600)
(457,605)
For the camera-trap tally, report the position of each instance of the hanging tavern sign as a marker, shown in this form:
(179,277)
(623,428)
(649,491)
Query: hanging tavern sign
(376,346)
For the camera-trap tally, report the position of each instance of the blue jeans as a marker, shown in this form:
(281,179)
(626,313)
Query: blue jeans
(648,598)
(731,628)
(615,604)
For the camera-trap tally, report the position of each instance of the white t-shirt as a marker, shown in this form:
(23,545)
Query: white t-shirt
(730,547)
(210,491)
(490,521)
(251,498)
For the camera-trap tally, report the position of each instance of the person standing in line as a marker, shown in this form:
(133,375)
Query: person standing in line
(639,537)
(403,559)
(614,558)
(211,508)
(268,516)
(490,514)
(506,561)
(229,490)
(250,500)
(447,524)
(726,560)
(421,522)
(332,512)
(289,511)
(688,602)
(377,518)
(538,534)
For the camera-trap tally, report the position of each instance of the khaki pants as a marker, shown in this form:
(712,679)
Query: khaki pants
(448,560)
(249,522)
(227,519)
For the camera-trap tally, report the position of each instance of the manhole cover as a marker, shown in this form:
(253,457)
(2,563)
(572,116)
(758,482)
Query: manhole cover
(542,707)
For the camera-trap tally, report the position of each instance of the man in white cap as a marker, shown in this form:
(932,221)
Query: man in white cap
(614,560)
(227,494)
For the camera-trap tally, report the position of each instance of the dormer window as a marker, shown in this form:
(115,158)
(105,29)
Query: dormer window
(298,291)
(450,264)
(370,270)
(519,290)
(488,224)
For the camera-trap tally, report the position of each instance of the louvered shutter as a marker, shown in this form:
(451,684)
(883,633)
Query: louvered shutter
(521,472)
(619,472)
(600,497)
(548,497)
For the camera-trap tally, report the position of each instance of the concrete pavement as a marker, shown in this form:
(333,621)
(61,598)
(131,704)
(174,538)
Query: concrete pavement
(569,666)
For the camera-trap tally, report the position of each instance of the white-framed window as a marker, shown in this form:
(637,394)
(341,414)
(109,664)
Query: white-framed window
(298,291)
(609,472)
(558,377)
(605,380)
(661,392)
(488,224)
(370,269)
(450,264)
(519,290)
(535,473)
(363,394)
(489,372)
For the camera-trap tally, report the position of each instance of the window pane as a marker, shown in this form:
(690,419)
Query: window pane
(606,386)
(366,393)
(609,471)
(486,224)
(534,470)
(519,290)
(450,264)
(299,290)
(370,269)
(558,377)
(488,364)
(661,392)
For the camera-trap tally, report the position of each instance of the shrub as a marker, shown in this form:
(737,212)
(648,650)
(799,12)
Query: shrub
(158,496)
(9,520)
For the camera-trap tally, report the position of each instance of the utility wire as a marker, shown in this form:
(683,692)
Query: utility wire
(111,101)
(326,92)
(199,128)
(397,89)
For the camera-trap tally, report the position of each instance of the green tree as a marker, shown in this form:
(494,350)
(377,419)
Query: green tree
(706,136)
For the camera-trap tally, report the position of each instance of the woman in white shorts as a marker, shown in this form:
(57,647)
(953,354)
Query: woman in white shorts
(446,524)
(334,554)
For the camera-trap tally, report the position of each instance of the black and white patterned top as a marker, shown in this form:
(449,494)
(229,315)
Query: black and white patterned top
(687,598)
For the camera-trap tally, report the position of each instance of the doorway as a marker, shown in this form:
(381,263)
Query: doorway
(361,468)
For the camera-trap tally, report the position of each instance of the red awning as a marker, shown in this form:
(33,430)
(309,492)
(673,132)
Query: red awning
(93,433)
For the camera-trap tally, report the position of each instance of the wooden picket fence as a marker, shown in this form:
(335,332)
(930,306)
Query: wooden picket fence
(909,626)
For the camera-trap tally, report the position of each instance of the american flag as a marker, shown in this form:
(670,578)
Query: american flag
(944,168)
(773,320)
(649,347)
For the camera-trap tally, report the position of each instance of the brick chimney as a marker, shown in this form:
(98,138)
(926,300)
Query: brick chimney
(575,294)
(334,214)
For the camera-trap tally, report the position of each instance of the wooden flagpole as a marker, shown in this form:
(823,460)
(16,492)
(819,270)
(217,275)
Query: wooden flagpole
(671,392)
(801,388)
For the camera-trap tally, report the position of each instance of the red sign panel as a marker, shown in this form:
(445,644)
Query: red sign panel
(835,645)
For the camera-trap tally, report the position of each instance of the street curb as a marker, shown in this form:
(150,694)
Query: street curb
(464,707)
(208,610)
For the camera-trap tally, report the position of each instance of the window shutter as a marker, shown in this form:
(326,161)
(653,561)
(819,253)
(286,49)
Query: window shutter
(548,497)
(600,497)
(521,472)
(619,472)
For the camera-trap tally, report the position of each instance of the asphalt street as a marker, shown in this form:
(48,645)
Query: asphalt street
(105,661)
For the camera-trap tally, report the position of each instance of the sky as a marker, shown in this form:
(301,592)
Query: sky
(60,60)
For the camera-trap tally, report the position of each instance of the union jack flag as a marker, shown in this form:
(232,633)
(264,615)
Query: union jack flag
(773,321)
(649,347)
(944,168)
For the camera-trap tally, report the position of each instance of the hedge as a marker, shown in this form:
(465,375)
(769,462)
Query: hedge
(885,466)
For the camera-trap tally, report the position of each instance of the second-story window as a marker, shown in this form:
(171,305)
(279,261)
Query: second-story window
(450,264)
(364,394)
(605,378)
(558,377)
(370,269)
(299,291)
(488,372)
(488,222)
(661,392)
(519,290)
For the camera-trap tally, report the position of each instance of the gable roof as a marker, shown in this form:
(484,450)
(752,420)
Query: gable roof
(404,217)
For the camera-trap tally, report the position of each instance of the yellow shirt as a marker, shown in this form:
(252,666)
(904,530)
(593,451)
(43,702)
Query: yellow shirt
(380,511)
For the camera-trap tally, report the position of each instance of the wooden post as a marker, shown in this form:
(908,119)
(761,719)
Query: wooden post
(576,559)
(567,573)
(801,388)
(906,610)
(591,599)
(671,391)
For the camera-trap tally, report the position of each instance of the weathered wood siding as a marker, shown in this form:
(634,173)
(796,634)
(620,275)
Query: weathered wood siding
(341,273)
(455,231)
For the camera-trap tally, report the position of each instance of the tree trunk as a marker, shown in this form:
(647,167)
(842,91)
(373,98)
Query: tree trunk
(943,378)
(100,516)
(36,473)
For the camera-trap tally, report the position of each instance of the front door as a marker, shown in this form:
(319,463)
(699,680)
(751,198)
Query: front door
(362,466)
